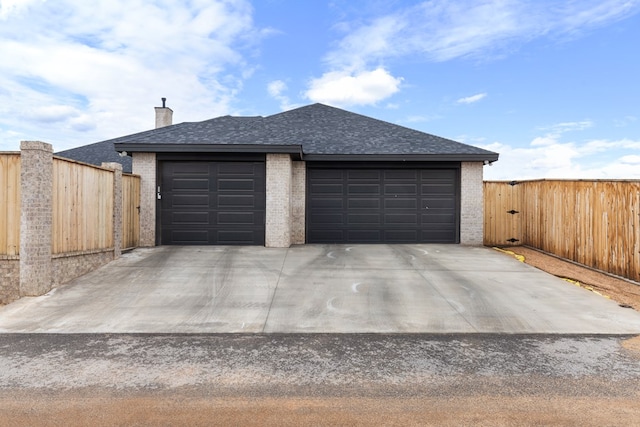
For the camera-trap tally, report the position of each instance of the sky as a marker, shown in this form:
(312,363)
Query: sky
(553,86)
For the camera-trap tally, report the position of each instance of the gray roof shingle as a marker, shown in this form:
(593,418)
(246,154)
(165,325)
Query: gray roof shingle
(96,154)
(317,130)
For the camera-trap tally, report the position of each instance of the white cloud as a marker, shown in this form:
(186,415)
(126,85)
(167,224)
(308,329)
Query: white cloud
(602,159)
(94,78)
(9,7)
(471,99)
(442,30)
(570,126)
(276,89)
(341,88)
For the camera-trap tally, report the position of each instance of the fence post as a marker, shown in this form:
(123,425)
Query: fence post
(117,207)
(36,217)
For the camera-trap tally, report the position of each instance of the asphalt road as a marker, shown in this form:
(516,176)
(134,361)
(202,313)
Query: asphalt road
(319,379)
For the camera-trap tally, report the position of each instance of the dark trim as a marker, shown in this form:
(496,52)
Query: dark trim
(211,157)
(489,157)
(295,150)
(383,165)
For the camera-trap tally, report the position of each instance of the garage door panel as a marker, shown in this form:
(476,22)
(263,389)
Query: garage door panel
(363,189)
(382,205)
(437,203)
(364,203)
(437,218)
(235,237)
(189,218)
(235,168)
(186,237)
(236,184)
(190,184)
(327,203)
(234,200)
(328,218)
(363,219)
(179,200)
(400,174)
(212,202)
(328,189)
(404,219)
(400,189)
(364,236)
(366,175)
(401,203)
(230,218)
(401,236)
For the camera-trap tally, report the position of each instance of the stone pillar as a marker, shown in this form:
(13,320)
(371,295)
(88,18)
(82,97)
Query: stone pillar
(278,209)
(36,217)
(471,204)
(117,207)
(298,203)
(144,164)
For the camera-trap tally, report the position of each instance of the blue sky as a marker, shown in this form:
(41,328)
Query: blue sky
(553,86)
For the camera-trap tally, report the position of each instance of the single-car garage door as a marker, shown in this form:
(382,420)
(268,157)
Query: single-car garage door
(382,205)
(212,202)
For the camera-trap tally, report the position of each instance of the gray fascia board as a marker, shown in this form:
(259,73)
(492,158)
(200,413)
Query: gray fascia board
(489,157)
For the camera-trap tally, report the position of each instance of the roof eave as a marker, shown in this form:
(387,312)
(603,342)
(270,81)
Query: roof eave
(132,147)
(488,157)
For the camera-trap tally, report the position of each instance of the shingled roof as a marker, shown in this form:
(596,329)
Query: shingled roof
(313,132)
(96,154)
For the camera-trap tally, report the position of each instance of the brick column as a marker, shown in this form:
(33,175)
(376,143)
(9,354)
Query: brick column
(144,164)
(278,215)
(471,204)
(298,203)
(117,207)
(36,217)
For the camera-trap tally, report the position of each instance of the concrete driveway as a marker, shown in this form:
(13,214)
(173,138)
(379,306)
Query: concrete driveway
(319,288)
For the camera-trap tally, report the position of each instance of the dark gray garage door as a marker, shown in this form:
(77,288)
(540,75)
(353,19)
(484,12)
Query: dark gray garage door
(212,203)
(382,205)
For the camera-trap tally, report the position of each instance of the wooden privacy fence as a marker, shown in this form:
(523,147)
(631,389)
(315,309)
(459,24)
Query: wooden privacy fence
(595,223)
(9,203)
(130,211)
(82,207)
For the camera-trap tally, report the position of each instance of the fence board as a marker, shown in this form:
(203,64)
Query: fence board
(499,225)
(130,211)
(82,207)
(595,223)
(9,203)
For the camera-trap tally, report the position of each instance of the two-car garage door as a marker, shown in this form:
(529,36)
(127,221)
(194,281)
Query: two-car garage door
(382,205)
(223,203)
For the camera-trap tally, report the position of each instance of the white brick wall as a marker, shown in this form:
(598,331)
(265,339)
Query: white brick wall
(471,203)
(298,203)
(278,209)
(144,164)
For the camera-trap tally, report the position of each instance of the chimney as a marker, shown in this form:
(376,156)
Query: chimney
(164,115)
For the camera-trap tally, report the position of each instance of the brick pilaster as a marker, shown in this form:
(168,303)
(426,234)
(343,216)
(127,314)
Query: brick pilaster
(471,204)
(298,203)
(36,217)
(144,164)
(278,209)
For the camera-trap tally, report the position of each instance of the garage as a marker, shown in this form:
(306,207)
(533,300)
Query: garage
(382,204)
(313,174)
(211,202)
